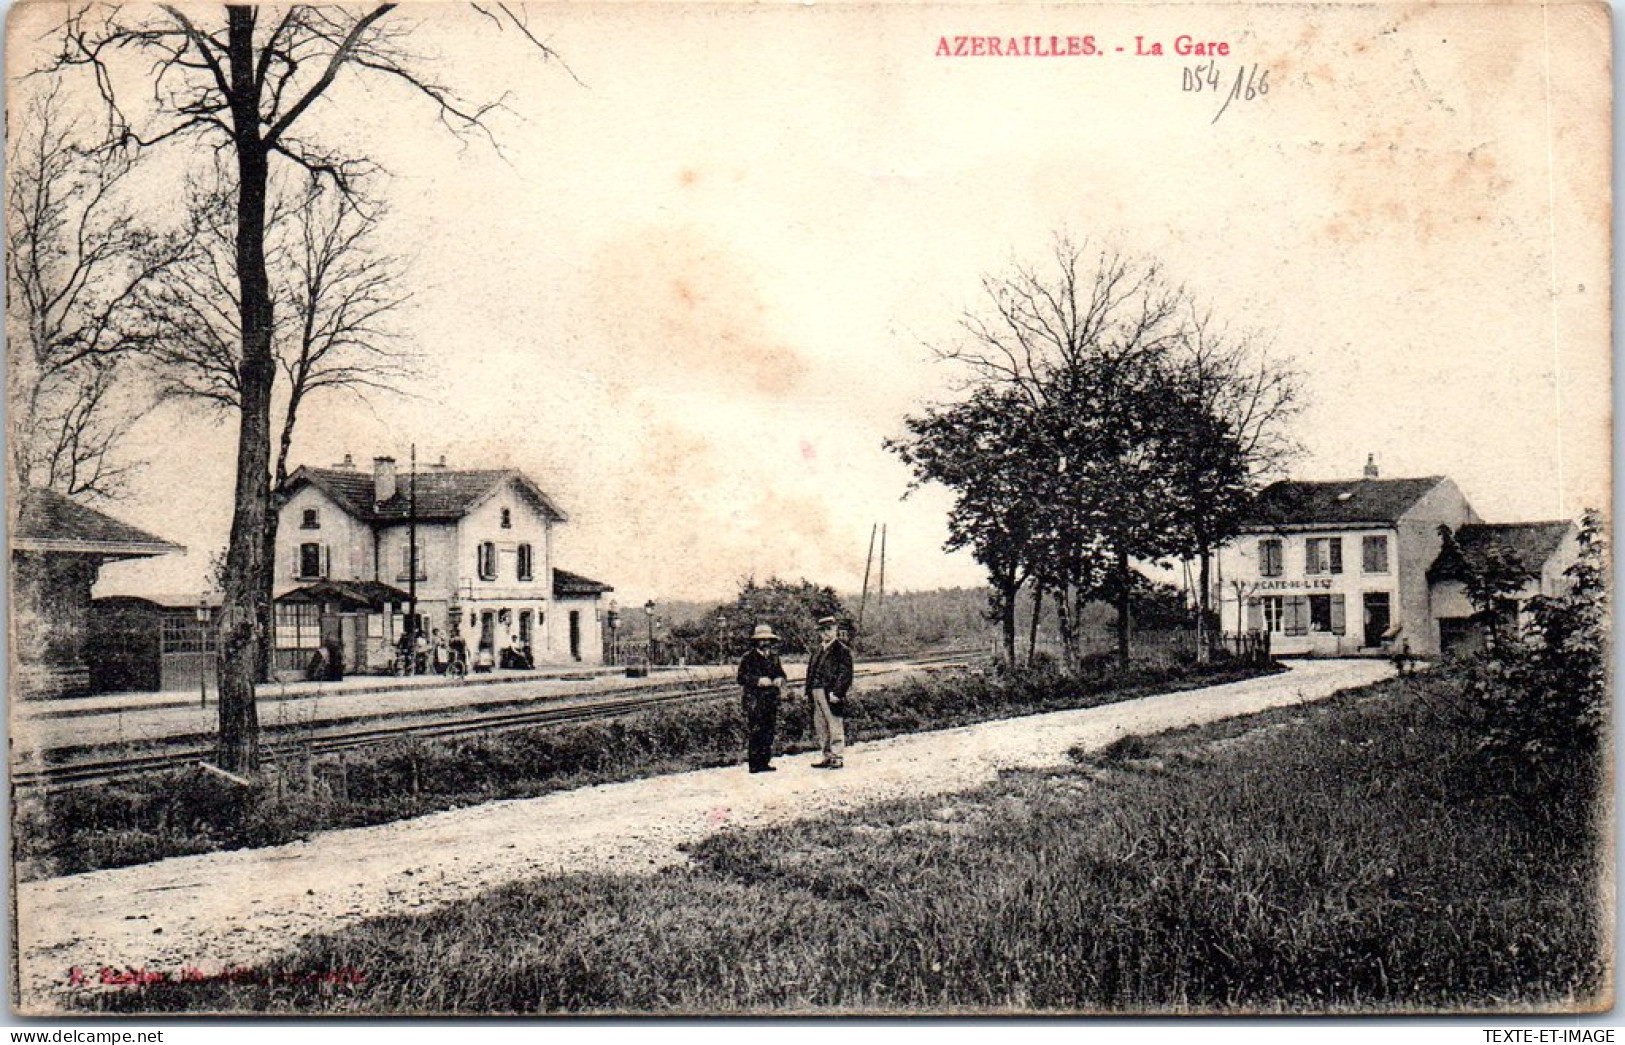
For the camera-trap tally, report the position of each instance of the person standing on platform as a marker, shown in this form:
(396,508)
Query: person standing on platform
(829,680)
(762,677)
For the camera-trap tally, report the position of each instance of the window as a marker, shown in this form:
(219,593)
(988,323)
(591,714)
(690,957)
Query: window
(1266,613)
(1326,613)
(1374,553)
(1269,558)
(507,519)
(309,520)
(527,569)
(298,625)
(407,563)
(487,561)
(311,562)
(1323,555)
(184,633)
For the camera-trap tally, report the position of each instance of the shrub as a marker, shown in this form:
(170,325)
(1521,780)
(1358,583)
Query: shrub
(1544,698)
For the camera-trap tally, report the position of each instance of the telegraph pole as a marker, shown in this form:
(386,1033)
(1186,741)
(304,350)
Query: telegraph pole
(863,599)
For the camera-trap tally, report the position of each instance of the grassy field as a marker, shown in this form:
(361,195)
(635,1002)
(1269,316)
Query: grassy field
(186,811)
(1355,855)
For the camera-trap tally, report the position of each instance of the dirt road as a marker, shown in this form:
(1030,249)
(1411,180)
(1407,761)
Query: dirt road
(239,909)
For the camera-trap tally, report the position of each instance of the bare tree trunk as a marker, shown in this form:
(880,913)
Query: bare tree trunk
(1007,619)
(1068,607)
(1032,625)
(1123,611)
(1204,602)
(248,575)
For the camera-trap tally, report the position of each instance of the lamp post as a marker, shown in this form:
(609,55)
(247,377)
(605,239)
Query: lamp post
(202,650)
(614,632)
(649,612)
(722,638)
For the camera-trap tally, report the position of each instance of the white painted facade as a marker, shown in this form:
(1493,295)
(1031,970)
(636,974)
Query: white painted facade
(487,574)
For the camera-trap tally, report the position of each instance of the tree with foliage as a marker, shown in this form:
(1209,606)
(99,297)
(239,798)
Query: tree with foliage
(791,610)
(239,81)
(1127,431)
(1545,696)
(1235,400)
(978,449)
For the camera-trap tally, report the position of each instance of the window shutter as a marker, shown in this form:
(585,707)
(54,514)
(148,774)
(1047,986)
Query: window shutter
(1297,609)
(1339,616)
(1255,615)
(327,561)
(1336,547)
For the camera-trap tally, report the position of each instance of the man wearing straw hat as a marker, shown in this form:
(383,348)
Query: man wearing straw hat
(829,678)
(761,675)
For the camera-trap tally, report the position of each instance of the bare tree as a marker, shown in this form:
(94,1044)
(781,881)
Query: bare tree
(76,262)
(1244,395)
(333,334)
(242,82)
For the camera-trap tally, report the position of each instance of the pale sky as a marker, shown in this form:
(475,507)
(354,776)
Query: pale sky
(694,293)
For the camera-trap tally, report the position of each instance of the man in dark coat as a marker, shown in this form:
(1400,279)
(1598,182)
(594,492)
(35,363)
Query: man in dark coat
(761,675)
(829,680)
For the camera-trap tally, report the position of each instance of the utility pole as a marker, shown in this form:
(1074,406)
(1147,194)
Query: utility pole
(863,599)
(880,601)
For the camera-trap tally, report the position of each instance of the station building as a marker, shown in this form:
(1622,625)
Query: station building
(1350,567)
(484,566)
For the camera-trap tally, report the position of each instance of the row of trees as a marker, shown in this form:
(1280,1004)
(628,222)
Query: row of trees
(1107,420)
(230,303)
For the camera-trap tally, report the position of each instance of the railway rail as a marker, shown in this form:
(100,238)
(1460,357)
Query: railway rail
(314,740)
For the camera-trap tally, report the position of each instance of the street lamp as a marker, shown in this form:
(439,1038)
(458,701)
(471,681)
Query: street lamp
(614,632)
(649,612)
(722,638)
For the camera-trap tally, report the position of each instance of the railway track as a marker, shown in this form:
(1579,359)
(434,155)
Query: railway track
(93,772)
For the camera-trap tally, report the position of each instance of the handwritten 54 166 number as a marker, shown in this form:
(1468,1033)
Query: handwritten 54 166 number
(1250,82)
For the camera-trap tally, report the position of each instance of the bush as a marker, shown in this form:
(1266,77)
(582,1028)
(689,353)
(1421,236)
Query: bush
(1544,697)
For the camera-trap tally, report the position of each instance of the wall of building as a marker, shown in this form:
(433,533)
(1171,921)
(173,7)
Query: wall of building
(1419,544)
(1239,562)
(348,541)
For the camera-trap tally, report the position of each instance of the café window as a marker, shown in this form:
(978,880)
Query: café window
(1326,613)
(527,570)
(1267,613)
(487,561)
(1269,558)
(1374,553)
(309,520)
(1323,555)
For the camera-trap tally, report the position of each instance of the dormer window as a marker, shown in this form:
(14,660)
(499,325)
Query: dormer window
(507,519)
(310,520)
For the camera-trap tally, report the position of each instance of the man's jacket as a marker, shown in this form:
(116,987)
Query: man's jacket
(831,670)
(758,665)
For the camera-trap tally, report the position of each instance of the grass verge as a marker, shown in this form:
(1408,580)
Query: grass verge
(1352,856)
(186,811)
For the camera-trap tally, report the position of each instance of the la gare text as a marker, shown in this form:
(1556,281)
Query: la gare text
(1183,45)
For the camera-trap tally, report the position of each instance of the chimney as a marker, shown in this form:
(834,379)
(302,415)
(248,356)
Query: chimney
(383,478)
(347,465)
(1370,466)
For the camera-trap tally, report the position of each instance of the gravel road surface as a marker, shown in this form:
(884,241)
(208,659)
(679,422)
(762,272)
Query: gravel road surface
(239,909)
